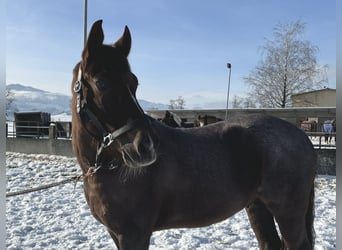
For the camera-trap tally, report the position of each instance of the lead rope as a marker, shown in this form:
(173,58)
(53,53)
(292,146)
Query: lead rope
(47,186)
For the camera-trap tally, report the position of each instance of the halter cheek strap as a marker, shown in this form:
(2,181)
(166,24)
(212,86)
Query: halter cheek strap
(78,90)
(82,109)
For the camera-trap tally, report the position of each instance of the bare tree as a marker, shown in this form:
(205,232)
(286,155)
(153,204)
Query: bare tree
(242,102)
(288,66)
(248,103)
(237,102)
(179,103)
(9,99)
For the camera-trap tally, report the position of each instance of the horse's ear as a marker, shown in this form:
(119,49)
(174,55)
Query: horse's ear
(95,39)
(124,42)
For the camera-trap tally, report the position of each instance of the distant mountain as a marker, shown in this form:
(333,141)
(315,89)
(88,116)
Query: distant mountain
(19,87)
(27,99)
(146,105)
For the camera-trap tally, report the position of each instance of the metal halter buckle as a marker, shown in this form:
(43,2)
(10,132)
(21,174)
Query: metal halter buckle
(107,140)
(77,86)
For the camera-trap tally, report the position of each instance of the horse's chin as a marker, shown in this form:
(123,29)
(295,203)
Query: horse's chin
(140,153)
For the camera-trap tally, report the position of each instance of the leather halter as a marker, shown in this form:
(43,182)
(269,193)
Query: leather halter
(108,138)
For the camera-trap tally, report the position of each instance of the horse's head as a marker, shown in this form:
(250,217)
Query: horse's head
(104,91)
(172,120)
(110,82)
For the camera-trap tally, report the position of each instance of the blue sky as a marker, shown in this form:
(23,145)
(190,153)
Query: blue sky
(179,48)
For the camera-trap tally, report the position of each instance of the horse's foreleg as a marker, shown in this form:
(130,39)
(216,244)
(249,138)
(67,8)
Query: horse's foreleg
(115,239)
(133,241)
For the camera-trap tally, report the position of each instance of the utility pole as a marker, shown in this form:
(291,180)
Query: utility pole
(229,66)
(85,22)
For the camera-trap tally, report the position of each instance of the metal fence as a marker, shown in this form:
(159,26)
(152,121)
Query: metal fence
(62,130)
(55,130)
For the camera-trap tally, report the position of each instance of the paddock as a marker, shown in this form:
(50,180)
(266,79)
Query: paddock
(59,218)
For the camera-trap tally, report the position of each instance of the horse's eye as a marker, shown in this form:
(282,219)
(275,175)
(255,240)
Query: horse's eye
(101,84)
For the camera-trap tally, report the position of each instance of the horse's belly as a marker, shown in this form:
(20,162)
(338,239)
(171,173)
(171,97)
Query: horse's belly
(206,210)
(191,220)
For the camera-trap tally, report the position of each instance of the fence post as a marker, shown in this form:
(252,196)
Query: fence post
(52,131)
(68,129)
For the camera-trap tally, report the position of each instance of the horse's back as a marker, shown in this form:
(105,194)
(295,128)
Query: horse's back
(270,130)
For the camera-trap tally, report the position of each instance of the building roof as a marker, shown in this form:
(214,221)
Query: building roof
(313,91)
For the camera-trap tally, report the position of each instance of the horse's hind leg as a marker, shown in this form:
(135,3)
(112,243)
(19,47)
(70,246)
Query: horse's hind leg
(295,222)
(263,226)
(326,139)
(293,233)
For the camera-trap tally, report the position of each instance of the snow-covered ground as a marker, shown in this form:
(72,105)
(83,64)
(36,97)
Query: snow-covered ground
(59,218)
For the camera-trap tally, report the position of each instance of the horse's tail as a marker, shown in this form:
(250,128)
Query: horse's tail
(309,218)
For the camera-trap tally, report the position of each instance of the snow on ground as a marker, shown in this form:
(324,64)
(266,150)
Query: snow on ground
(59,218)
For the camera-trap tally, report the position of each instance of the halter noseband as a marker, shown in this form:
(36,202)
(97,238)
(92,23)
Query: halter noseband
(108,138)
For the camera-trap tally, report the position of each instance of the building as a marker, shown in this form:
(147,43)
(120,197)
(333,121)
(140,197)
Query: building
(32,124)
(317,98)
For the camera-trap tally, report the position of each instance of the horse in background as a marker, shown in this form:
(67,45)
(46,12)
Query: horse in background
(175,121)
(205,120)
(309,126)
(329,127)
(172,120)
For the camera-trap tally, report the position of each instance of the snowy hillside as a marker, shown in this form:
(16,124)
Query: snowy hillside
(146,105)
(26,99)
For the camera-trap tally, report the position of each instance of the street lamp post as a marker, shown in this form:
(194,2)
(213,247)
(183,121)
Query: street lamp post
(229,66)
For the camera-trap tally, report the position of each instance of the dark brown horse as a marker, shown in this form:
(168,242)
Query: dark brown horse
(141,175)
(172,120)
